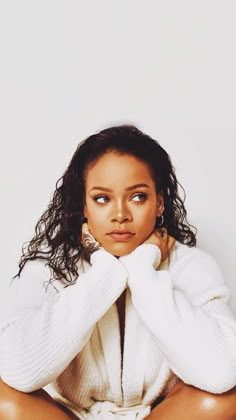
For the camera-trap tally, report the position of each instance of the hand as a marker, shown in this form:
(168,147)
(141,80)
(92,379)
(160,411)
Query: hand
(165,242)
(88,241)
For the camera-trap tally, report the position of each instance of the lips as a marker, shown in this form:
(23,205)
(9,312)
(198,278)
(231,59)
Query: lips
(121,235)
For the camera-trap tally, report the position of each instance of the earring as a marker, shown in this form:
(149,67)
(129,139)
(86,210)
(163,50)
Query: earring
(160,221)
(84,220)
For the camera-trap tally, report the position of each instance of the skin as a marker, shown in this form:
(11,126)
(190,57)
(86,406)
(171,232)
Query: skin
(183,402)
(120,193)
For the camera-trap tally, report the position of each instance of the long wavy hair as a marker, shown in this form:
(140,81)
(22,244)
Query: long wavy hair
(57,237)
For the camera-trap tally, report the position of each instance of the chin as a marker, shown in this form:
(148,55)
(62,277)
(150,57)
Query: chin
(120,250)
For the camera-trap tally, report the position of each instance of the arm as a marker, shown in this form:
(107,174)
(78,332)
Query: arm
(43,331)
(186,309)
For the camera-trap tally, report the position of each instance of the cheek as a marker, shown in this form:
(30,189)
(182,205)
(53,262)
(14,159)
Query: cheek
(150,220)
(149,216)
(95,221)
(147,222)
(90,211)
(149,227)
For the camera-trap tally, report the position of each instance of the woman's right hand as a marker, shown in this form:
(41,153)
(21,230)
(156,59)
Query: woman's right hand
(88,241)
(165,242)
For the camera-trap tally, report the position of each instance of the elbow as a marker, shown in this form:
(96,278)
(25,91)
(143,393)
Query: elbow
(218,380)
(221,382)
(22,376)
(22,379)
(19,384)
(216,377)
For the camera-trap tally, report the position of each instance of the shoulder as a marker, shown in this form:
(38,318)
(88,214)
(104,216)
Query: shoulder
(26,290)
(183,255)
(38,273)
(32,280)
(35,286)
(196,271)
(35,281)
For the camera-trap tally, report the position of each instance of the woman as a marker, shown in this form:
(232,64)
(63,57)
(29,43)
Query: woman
(113,304)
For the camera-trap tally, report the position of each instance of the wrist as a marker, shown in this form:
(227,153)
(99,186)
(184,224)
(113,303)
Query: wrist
(148,255)
(102,257)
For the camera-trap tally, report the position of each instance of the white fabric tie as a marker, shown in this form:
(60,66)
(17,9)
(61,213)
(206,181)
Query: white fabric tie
(107,410)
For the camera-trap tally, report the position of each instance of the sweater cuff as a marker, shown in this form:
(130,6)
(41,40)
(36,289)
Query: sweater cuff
(101,259)
(144,256)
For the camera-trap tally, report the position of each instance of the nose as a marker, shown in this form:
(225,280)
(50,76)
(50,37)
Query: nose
(121,213)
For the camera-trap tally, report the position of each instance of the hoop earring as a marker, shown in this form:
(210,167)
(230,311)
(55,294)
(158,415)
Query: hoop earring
(160,221)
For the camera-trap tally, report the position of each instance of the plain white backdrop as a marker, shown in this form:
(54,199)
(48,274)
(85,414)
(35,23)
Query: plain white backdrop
(70,68)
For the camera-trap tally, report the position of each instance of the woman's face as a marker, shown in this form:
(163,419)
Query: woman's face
(121,203)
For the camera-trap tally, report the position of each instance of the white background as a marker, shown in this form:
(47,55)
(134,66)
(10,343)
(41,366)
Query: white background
(69,68)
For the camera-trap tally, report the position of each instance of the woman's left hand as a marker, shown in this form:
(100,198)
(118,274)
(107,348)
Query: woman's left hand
(88,241)
(165,242)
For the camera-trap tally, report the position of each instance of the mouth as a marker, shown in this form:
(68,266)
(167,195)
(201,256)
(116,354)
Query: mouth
(120,235)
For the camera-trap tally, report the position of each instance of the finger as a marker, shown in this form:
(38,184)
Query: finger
(162,233)
(171,242)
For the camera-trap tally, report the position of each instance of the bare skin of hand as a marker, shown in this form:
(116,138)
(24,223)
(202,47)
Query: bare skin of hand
(164,242)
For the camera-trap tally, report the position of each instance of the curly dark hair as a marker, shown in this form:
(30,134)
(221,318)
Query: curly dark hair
(57,237)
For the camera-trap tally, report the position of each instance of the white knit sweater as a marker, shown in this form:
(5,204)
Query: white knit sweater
(178,324)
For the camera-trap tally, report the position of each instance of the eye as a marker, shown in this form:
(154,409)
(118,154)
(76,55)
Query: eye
(101,199)
(139,197)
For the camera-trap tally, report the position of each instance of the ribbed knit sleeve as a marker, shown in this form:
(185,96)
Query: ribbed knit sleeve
(42,331)
(186,309)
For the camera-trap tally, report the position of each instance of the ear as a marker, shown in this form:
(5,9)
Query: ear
(160,204)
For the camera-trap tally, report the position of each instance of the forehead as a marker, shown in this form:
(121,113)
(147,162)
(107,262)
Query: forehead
(113,167)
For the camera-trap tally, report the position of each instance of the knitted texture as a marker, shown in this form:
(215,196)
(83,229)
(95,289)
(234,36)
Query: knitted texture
(178,324)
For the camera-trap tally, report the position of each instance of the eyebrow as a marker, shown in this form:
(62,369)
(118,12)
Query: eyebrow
(132,187)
